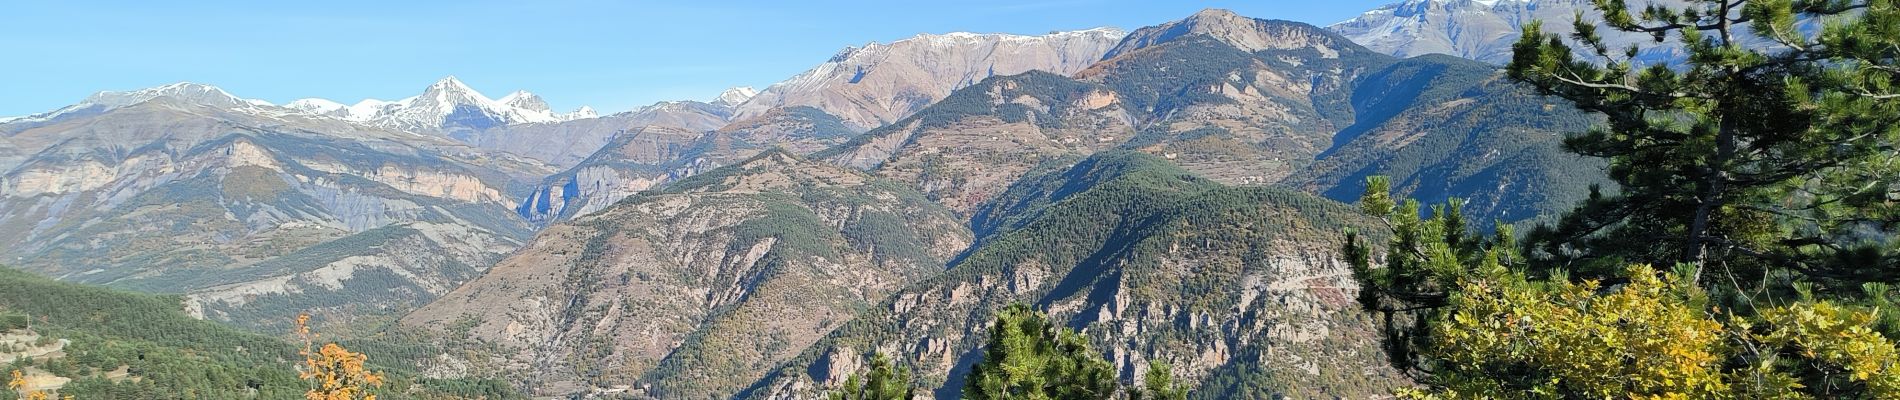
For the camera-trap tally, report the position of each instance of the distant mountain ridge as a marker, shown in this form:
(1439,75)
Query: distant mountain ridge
(1484,30)
(879,83)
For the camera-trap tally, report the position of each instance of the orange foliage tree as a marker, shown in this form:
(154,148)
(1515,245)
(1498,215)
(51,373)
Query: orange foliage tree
(334,372)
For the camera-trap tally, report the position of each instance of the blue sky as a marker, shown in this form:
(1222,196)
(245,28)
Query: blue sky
(608,54)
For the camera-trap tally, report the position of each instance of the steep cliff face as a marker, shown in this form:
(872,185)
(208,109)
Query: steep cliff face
(1150,263)
(696,289)
(173,194)
(880,83)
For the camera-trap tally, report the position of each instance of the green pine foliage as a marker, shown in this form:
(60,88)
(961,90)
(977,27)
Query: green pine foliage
(1030,358)
(884,381)
(1752,161)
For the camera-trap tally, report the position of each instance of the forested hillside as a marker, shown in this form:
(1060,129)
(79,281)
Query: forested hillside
(111,344)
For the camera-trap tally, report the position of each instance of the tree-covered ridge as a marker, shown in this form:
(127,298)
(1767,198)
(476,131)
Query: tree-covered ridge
(123,345)
(1153,264)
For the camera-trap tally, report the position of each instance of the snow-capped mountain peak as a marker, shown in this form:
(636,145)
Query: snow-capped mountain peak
(732,97)
(447,105)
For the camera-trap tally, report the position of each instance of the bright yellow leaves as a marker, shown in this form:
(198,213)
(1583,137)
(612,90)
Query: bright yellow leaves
(334,373)
(1834,338)
(1620,344)
(1650,338)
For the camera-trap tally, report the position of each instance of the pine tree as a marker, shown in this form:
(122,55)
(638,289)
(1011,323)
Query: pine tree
(1744,159)
(1158,384)
(1030,358)
(885,381)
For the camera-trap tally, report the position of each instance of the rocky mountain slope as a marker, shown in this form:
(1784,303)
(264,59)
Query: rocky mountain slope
(257,211)
(968,147)
(1151,263)
(1249,102)
(696,289)
(879,83)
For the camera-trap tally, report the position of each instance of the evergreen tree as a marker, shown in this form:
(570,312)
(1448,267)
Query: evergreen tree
(886,381)
(1031,358)
(1158,384)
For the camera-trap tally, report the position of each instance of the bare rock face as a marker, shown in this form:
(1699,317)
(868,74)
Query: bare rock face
(697,288)
(259,213)
(880,83)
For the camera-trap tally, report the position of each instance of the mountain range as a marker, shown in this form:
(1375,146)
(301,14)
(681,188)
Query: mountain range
(1177,193)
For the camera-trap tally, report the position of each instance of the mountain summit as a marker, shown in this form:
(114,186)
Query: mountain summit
(1244,33)
(882,82)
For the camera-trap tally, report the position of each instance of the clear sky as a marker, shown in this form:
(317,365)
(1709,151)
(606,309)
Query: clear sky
(611,55)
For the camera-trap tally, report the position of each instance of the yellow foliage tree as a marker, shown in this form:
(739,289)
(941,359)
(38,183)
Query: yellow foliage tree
(1650,338)
(334,372)
(19,382)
